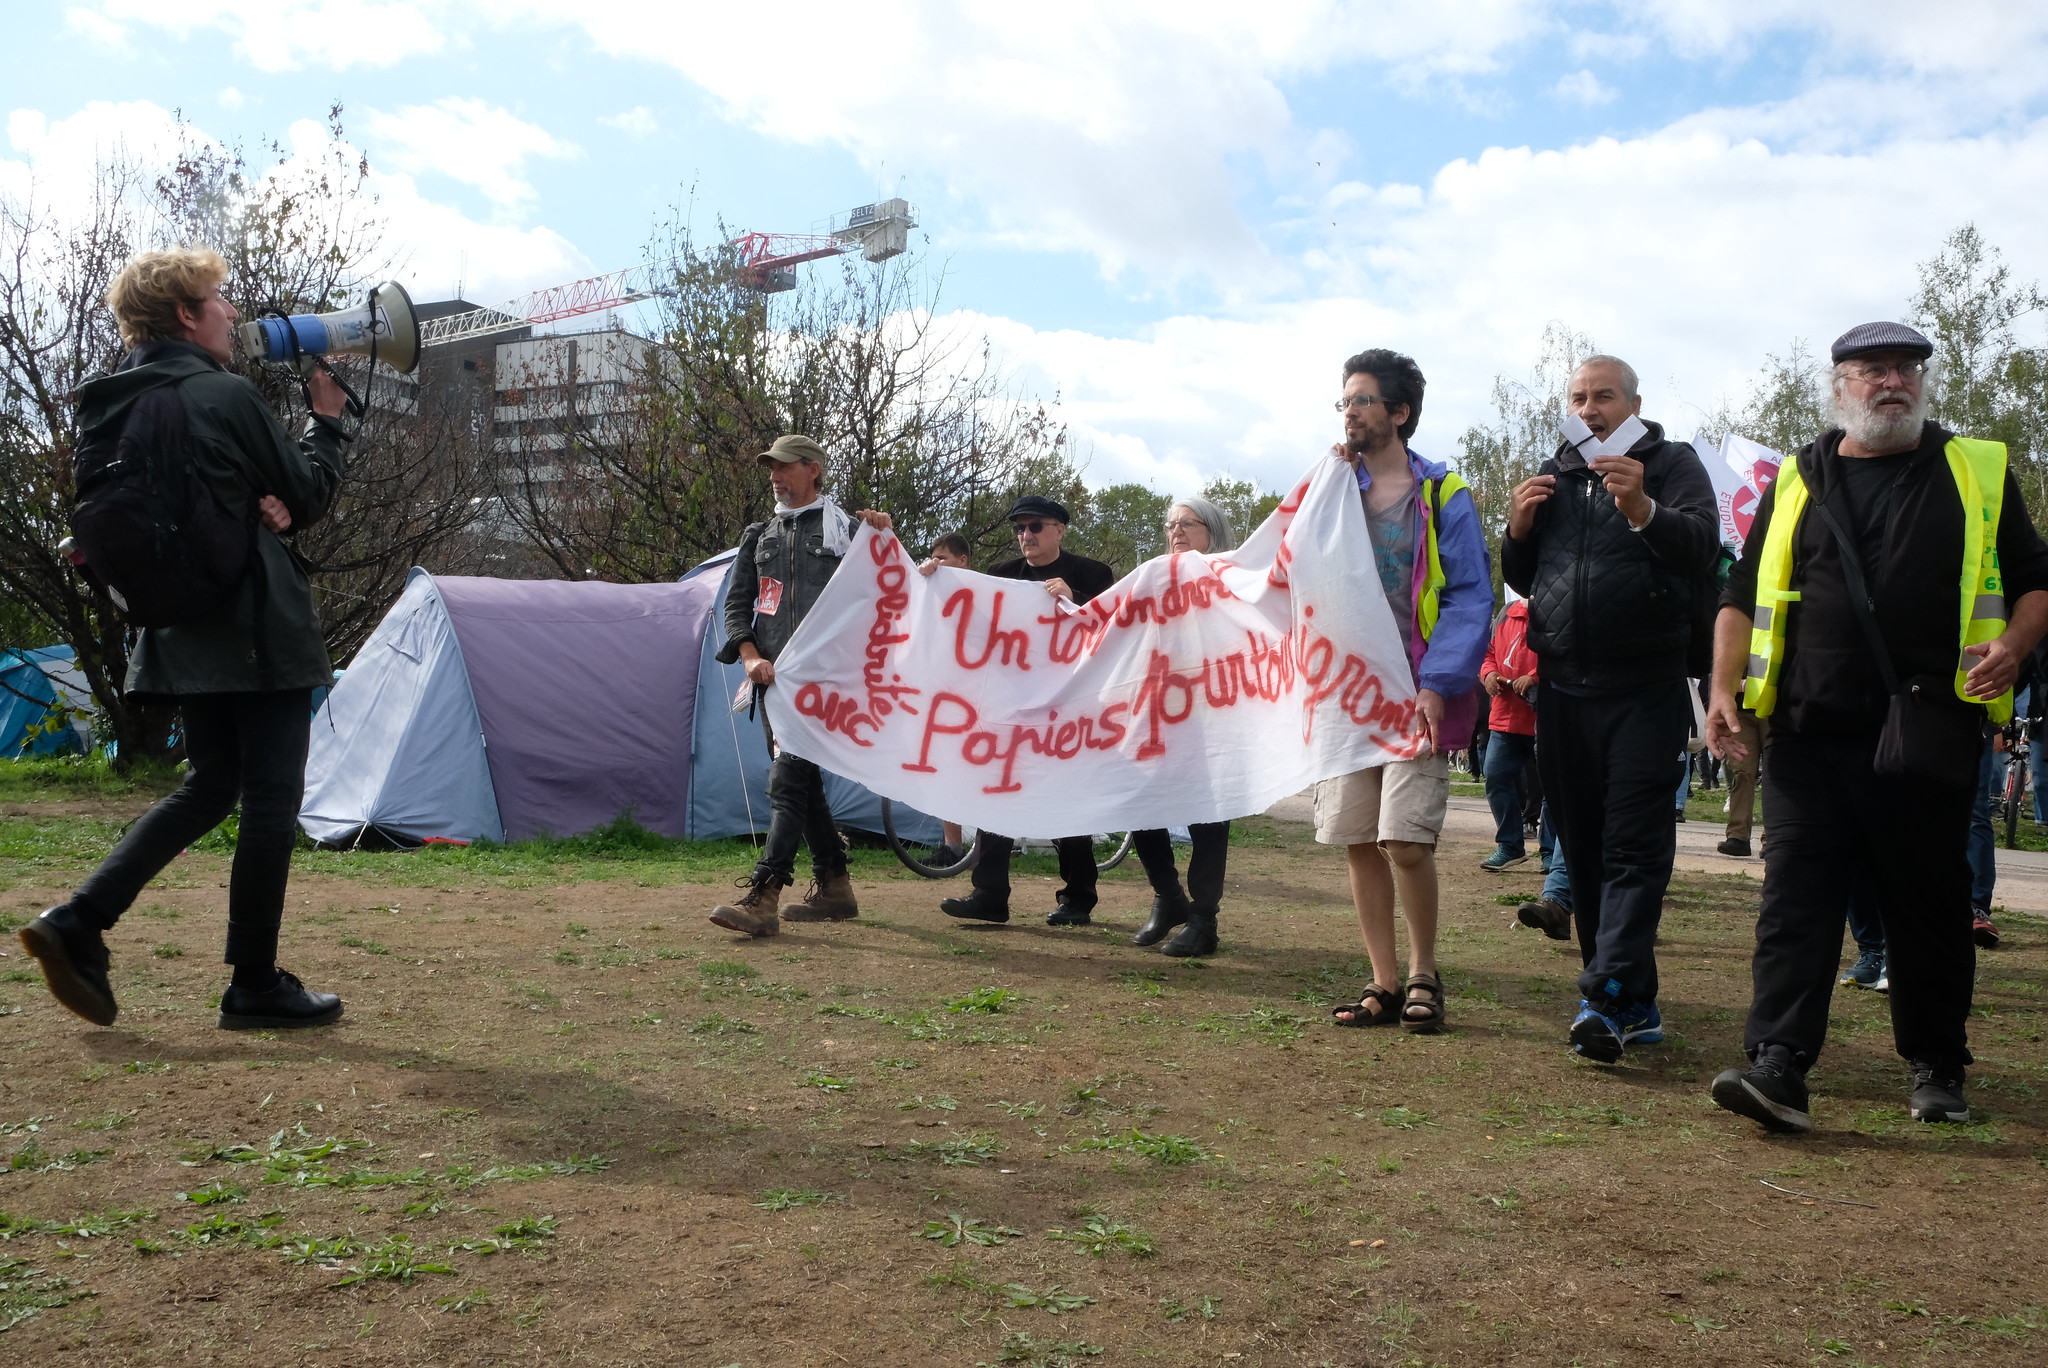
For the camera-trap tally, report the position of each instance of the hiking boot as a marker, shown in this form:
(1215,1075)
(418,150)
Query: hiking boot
(74,960)
(1938,1093)
(1168,911)
(830,899)
(1641,1024)
(1547,917)
(980,905)
(1738,847)
(1070,914)
(753,912)
(286,1005)
(1981,929)
(1503,859)
(1771,1092)
(1866,972)
(1197,938)
(1595,1035)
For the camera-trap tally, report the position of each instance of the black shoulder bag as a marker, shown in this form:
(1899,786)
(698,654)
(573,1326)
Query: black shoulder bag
(1927,734)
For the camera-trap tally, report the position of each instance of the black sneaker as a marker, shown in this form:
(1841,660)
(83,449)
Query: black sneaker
(1772,1092)
(285,1006)
(1547,917)
(1736,846)
(1938,1094)
(1070,914)
(980,905)
(74,960)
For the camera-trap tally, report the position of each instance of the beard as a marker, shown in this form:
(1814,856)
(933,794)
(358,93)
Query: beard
(1880,426)
(1373,434)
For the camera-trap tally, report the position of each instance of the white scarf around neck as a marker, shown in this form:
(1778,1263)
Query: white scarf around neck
(837,526)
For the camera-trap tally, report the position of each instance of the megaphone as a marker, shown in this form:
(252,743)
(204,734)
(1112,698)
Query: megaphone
(382,328)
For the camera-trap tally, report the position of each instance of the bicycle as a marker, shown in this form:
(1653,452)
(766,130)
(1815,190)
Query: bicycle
(1111,849)
(2014,790)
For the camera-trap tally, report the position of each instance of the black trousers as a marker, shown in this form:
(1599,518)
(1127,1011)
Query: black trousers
(1606,767)
(1832,820)
(798,814)
(250,746)
(1077,868)
(1208,853)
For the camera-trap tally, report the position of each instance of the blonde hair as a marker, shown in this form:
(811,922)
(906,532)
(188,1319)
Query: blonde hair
(146,295)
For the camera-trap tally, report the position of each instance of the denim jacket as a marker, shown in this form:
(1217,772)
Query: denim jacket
(781,568)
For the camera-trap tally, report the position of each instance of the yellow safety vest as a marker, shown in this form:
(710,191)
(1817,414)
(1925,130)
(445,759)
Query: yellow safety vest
(1979,472)
(1434,493)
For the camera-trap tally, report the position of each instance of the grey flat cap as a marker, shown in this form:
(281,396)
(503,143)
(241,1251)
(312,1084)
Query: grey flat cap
(1866,338)
(792,447)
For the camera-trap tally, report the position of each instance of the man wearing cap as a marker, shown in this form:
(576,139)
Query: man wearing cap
(1040,525)
(777,574)
(1891,586)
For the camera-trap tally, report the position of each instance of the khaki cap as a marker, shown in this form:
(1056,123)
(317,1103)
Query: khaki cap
(792,447)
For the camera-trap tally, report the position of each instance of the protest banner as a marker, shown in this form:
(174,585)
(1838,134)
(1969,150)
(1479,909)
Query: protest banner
(1197,688)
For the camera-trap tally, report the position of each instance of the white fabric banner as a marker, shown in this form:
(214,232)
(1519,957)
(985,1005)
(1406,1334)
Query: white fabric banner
(1198,688)
(1741,471)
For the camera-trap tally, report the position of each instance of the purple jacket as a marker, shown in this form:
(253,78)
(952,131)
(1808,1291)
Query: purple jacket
(1448,662)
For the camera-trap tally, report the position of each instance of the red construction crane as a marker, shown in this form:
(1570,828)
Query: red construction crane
(768,261)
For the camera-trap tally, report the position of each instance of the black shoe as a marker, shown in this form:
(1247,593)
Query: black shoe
(74,960)
(1772,1092)
(1195,939)
(285,1006)
(1070,914)
(1167,913)
(1547,917)
(980,905)
(1732,846)
(1938,1094)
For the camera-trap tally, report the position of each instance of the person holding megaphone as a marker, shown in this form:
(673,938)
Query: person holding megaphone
(185,478)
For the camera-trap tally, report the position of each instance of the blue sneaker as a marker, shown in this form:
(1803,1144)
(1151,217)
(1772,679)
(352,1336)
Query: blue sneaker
(1866,972)
(1503,858)
(1641,1024)
(1595,1035)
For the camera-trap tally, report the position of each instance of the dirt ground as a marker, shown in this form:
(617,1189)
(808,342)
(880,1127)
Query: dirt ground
(584,1126)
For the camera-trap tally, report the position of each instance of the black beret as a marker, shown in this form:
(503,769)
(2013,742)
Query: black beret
(1038,506)
(1866,338)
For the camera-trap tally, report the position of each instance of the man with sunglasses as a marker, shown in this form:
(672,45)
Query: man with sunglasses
(1040,525)
(1891,587)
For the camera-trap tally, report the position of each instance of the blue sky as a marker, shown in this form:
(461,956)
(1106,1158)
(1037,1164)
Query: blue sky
(1178,217)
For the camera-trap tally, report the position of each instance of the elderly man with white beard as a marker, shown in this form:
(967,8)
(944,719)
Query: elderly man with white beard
(1890,588)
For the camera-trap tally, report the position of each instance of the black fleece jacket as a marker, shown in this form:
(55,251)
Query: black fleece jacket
(1611,607)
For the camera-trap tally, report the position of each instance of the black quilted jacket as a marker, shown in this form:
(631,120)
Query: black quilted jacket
(1610,607)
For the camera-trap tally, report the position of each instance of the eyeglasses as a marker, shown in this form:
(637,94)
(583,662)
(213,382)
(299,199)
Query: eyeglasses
(1183,524)
(1020,528)
(1359,401)
(1870,372)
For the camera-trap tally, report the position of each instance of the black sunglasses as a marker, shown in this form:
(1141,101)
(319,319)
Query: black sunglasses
(1034,525)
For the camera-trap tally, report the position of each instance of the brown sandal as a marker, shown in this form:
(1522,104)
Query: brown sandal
(1361,1011)
(1432,1019)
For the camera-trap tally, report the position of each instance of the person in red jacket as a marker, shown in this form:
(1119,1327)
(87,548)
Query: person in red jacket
(1509,676)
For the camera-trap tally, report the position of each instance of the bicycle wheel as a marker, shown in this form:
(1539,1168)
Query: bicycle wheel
(2015,788)
(923,857)
(1111,849)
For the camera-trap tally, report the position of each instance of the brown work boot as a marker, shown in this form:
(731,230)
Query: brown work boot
(753,912)
(830,899)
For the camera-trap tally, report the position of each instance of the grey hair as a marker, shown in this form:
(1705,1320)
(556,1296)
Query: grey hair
(1630,386)
(1212,518)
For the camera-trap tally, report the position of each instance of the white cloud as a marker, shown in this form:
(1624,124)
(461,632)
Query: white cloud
(1583,87)
(231,98)
(280,35)
(469,141)
(637,121)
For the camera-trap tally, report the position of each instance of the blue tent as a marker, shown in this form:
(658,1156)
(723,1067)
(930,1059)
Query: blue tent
(506,709)
(34,683)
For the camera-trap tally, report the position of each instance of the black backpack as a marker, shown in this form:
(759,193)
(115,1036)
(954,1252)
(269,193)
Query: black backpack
(149,528)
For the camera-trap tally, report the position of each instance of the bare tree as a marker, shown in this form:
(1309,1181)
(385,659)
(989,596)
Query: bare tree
(1495,458)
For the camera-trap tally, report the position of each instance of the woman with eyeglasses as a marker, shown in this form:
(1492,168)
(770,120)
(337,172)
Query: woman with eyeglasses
(1192,524)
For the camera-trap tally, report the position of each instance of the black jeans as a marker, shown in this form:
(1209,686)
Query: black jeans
(1077,868)
(1830,817)
(798,813)
(250,746)
(1208,852)
(1606,766)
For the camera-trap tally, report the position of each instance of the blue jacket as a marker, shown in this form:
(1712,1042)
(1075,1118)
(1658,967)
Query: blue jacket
(1448,663)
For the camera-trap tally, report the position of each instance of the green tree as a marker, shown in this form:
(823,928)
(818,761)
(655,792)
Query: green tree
(1243,502)
(1122,525)
(1523,434)
(1788,404)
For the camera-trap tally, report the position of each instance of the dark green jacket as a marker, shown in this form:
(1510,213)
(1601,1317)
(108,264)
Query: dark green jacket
(242,452)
